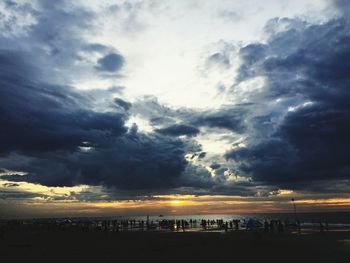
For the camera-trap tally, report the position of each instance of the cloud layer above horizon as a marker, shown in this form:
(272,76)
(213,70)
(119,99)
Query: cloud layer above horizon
(125,99)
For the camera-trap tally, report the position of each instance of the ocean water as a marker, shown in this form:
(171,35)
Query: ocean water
(331,217)
(336,219)
(308,220)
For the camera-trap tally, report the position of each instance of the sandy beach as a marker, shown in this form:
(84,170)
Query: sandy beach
(33,244)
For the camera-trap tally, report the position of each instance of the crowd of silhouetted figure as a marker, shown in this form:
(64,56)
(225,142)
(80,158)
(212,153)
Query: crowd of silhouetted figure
(172,225)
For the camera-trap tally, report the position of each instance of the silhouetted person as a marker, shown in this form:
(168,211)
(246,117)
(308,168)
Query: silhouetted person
(266,226)
(321,227)
(271,226)
(280,226)
(113,225)
(236,225)
(203,222)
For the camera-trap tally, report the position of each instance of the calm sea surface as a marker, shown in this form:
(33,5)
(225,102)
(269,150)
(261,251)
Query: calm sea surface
(341,218)
(335,219)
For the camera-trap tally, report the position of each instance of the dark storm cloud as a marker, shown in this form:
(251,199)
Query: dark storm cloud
(215,166)
(56,135)
(122,103)
(230,118)
(46,124)
(131,162)
(111,63)
(343,6)
(296,126)
(202,155)
(58,32)
(178,130)
(38,116)
(225,118)
(307,69)
(58,29)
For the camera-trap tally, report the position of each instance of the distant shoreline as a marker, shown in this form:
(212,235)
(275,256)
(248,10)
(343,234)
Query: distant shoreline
(175,216)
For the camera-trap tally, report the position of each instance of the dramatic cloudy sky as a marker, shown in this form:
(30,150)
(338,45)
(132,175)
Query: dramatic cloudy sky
(191,106)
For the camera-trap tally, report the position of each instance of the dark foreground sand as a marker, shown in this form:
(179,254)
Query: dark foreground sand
(74,245)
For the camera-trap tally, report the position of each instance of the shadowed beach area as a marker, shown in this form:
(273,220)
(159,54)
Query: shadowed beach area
(38,244)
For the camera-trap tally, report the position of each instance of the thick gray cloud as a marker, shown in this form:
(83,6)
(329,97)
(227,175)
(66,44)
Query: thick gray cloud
(230,117)
(178,130)
(39,116)
(293,131)
(111,63)
(58,31)
(61,142)
(343,6)
(122,103)
(306,69)
(57,134)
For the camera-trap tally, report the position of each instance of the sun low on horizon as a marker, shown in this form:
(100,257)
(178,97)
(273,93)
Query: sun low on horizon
(150,107)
